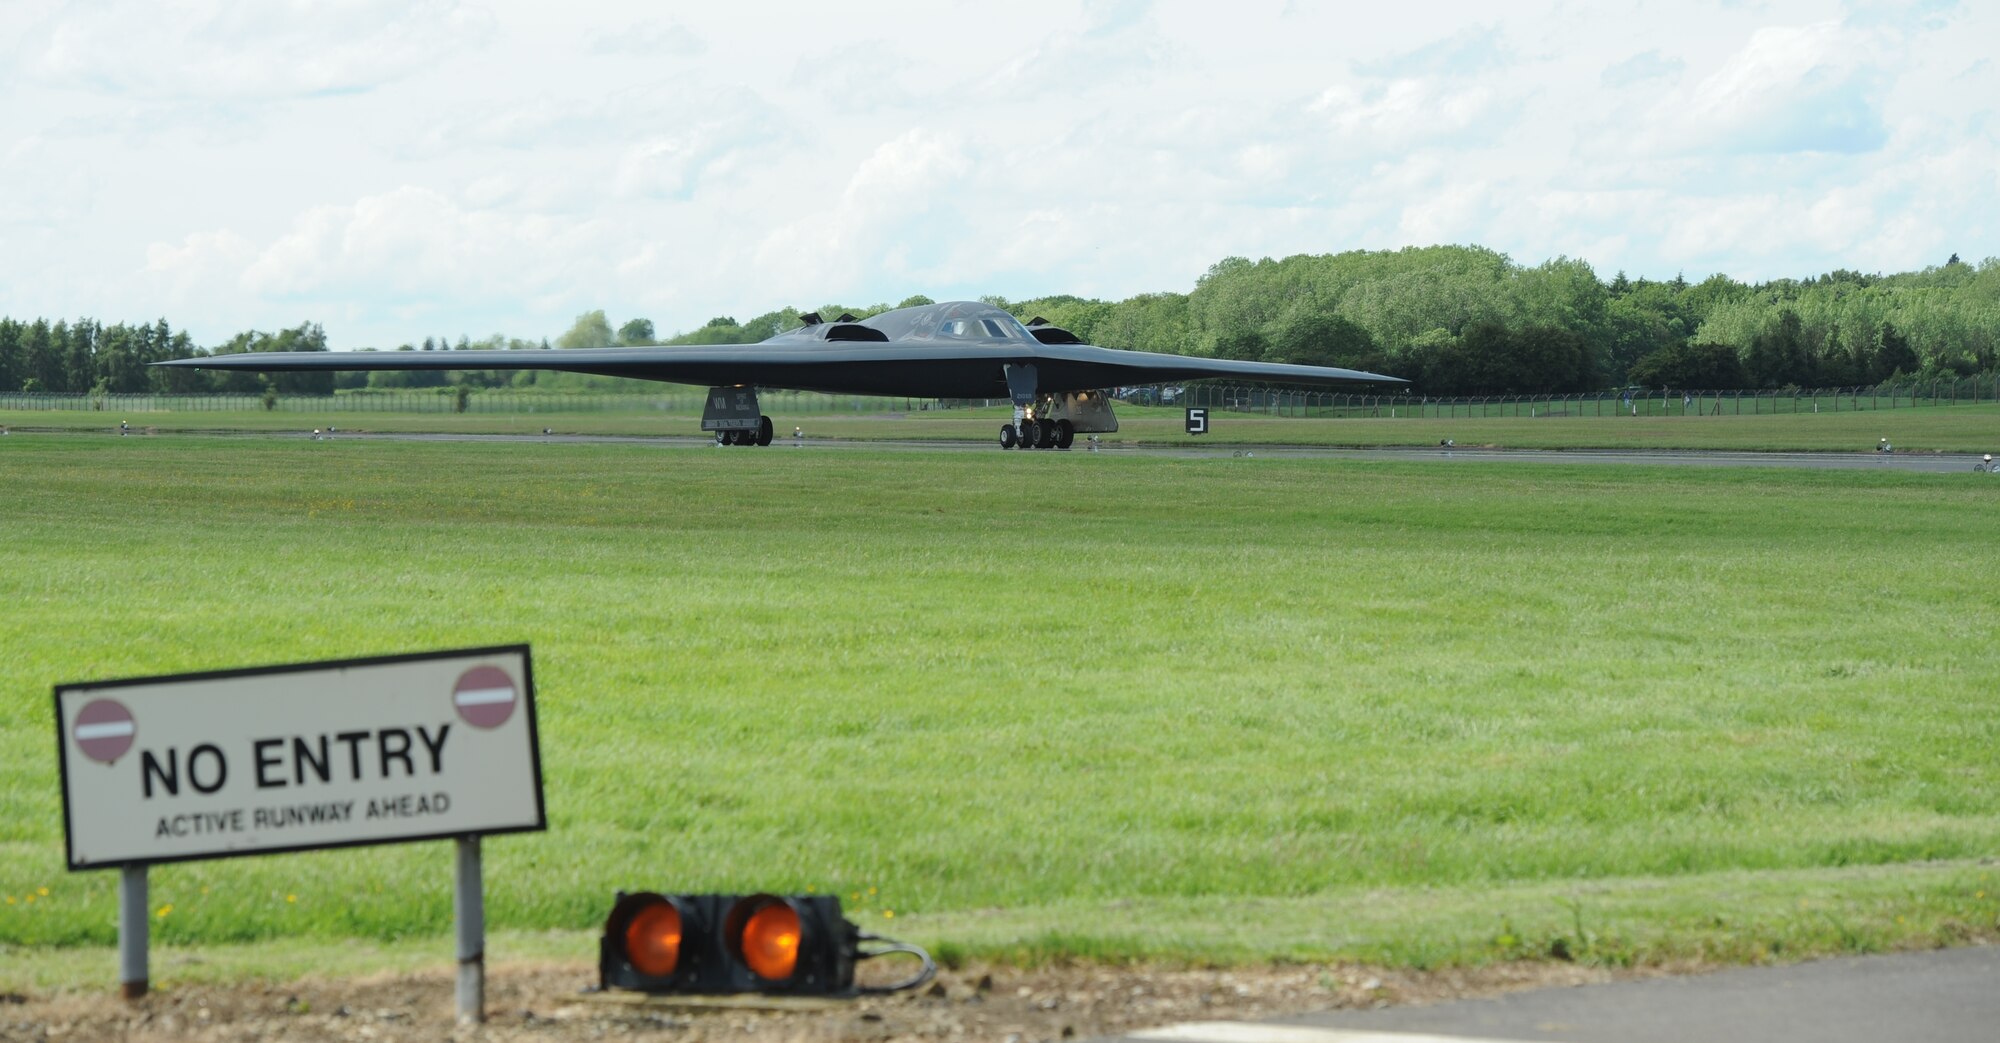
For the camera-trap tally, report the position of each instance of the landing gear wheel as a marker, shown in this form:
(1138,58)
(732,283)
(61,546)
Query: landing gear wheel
(1007,436)
(1031,434)
(725,438)
(1065,434)
(764,430)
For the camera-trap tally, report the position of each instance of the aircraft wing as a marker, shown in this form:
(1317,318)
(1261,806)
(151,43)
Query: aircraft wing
(918,369)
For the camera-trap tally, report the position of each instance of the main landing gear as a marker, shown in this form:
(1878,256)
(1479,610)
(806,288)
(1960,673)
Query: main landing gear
(746,436)
(1038,434)
(732,413)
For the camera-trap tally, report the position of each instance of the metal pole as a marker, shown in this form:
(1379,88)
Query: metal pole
(468,910)
(132,930)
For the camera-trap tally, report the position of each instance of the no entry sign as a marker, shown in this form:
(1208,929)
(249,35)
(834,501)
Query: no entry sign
(103,730)
(309,755)
(485,696)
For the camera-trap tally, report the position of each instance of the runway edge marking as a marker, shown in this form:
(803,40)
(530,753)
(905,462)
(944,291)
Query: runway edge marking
(1253,1032)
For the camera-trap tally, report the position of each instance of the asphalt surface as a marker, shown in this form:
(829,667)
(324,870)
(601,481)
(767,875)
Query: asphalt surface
(1925,463)
(1926,997)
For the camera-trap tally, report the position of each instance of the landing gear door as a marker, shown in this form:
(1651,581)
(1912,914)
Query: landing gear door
(1088,412)
(731,409)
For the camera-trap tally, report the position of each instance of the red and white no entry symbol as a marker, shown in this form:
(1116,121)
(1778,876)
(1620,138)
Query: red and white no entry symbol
(485,696)
(104,730)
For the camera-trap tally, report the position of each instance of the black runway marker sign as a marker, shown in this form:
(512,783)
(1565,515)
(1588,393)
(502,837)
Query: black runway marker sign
(309,755)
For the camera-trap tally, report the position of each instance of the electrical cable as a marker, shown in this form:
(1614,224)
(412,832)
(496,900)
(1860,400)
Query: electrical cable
(892,947)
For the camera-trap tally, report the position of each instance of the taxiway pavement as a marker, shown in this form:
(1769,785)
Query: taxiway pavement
(1923,997)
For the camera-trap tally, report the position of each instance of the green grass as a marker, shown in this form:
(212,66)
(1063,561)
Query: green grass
(1041,705)
(1959,429)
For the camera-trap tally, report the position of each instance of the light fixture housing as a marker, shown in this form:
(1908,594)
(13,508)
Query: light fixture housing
(717,944)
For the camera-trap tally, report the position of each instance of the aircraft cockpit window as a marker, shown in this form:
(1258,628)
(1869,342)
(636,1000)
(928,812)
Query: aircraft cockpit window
(974,328)
(1002,327)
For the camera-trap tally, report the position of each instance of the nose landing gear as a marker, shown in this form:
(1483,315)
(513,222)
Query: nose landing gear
(1051,421)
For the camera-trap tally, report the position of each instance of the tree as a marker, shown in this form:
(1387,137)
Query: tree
(1893,356)
(118,366)
(177,379)
(1705,367)
(1309,336)
(1638,326)
(1552,359)
(41,361)
(1778,355)
(591,330)
(1245,344)
(10,354)
(78,344)
(637,331)
(1484,360)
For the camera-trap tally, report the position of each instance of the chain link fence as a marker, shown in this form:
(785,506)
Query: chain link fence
(1635,402)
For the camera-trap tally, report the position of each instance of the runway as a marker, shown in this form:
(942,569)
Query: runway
(1920,463)
(1924,463)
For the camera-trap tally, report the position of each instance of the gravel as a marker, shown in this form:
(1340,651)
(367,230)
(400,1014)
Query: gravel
(553,1003)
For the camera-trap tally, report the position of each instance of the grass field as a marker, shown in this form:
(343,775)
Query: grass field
(1039,705)
(1959,429)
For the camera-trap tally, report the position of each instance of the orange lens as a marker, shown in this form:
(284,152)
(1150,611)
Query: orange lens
(653,940)
(771,941)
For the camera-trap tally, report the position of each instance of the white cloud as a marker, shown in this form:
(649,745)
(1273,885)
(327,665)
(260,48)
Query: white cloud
(1469,51)
(1403,113)
(251,51)
(886,218)
(380,164)
(1640,68)
(412,244)
(1789,89)
(648,39)
(200,260)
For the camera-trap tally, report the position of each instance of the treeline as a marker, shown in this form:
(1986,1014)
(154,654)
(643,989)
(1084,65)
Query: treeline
(1466,320)
(87,356)
(84,355)
(1453,319)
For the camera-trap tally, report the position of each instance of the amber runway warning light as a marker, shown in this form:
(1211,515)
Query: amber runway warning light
(798,945)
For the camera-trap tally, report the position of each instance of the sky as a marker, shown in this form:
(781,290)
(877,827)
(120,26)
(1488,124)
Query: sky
(396,169)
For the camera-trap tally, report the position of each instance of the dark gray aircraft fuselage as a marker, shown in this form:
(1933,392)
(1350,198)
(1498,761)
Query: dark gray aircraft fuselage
(959,349)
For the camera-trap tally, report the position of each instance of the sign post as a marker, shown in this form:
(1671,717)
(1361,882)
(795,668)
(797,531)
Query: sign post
(1197,420)
(432,746)
(468,914)
(133,931)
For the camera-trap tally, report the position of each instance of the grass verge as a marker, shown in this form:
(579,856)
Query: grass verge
(1072,705)
(1956,429)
